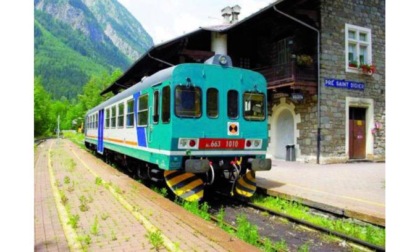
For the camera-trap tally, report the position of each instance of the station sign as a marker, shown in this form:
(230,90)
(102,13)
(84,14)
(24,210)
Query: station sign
(344,84)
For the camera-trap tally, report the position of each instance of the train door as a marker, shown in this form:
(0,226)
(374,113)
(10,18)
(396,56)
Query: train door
(100,146)
(357,133)
(154,113)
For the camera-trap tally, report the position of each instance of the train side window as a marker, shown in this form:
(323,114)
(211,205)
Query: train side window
(121,115)
(232,102)
(107,116)
(113,116)
(96,120)
(188,101)
(254,106)
(130,113)
(166,104)
(212,103)
(156,106)
(143,110)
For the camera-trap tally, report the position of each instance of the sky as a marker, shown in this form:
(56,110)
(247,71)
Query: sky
(168,19)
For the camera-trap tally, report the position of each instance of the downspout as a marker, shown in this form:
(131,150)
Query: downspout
(318,138)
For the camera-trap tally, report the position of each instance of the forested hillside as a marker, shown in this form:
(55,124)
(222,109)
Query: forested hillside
(75,39)
(80,47)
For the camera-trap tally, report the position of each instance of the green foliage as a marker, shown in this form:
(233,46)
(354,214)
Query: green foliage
(369,233)
(73,220)
(42,106)
(155,238)
(66,58)
(71,112)
(246,231)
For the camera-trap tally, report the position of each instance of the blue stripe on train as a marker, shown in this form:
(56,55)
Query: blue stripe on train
(141,131)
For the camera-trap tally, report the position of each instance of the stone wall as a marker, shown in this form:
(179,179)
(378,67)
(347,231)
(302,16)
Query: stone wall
(334,15)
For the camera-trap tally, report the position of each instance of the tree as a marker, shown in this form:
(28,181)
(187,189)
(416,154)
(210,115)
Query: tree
(42,102)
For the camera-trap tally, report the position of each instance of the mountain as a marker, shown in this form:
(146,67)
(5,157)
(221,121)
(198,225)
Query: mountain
(75,39)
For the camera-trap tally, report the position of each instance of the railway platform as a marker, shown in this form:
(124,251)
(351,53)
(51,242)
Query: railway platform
(83,204)
(354,190)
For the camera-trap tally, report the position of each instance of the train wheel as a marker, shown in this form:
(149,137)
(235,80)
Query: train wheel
(246,185)
(185,185)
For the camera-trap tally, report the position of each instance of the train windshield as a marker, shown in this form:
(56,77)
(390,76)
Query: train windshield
(254,106)
(188,101)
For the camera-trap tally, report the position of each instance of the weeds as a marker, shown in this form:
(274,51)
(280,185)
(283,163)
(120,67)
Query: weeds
(83,203)
(113,235)
(66,180)
(221,217)
(155,238)
(71,187)
(98,181)
(304,247)
(63,197)
(73,220)
(246,231)
(104,216)
(94,229)
(85,241)
(366,232)
(197,209)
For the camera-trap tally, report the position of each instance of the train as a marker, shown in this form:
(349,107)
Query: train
(194,125)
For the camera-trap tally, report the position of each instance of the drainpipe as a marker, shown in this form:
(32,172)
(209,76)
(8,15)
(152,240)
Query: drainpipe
(318,138)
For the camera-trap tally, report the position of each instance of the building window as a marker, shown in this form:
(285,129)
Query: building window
(358,47)
(166,104)
(130,113)
(113,116)
(121,115)
(143,110)
(212,103)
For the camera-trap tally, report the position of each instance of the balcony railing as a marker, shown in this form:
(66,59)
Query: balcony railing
(288,74)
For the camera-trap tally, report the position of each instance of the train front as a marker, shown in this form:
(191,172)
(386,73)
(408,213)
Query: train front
(219,128)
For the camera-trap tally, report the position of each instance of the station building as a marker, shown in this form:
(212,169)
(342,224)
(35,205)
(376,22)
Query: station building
(324,61)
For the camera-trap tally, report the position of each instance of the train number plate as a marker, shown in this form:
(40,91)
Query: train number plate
(220,143)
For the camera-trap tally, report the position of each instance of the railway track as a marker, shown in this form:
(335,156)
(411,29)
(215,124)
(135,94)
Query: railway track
(280,227)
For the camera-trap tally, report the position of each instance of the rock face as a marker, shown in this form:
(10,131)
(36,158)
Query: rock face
(99,21)
(78,39)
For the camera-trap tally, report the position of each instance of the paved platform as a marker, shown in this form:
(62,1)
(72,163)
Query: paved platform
(355,190)
(83,204)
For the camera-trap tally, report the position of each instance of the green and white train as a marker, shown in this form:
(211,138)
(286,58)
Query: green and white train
(191,124)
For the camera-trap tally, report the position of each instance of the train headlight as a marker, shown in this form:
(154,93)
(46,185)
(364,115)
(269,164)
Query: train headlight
(222,60)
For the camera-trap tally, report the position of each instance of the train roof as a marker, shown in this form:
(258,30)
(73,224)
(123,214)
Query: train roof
(145,83)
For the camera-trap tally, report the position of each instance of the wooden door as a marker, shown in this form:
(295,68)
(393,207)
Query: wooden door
(357,133)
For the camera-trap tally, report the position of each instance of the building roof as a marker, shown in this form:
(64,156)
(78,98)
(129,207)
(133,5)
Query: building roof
(148,63)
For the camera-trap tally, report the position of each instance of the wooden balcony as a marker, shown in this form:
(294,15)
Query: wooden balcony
(290,75)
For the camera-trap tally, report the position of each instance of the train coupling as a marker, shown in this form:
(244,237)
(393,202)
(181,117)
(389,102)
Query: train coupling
(259,164)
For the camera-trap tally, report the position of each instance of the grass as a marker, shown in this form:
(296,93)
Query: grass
(77,138)
(365,232)
(247,231)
